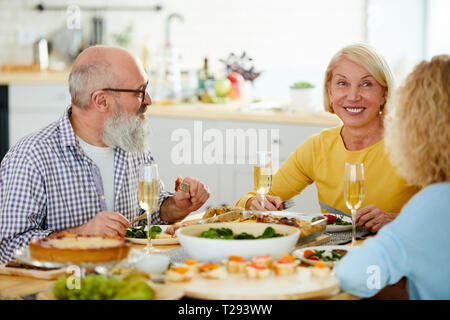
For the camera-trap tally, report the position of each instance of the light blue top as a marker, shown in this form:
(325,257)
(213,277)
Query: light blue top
(416,245)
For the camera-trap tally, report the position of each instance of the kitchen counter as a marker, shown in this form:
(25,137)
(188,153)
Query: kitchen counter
(231,111)
(34,77)
(237,112)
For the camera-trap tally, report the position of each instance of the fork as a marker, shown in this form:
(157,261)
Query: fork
(139,218)
(288,204)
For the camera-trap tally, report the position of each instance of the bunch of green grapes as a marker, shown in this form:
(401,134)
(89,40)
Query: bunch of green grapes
(101,287)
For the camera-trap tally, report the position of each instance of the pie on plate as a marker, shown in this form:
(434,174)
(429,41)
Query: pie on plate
(79,248)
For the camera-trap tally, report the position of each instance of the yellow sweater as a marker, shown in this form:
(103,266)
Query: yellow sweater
(321,159)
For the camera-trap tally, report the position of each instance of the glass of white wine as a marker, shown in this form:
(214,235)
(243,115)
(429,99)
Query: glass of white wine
(262,174)
(354,191)
(148,196)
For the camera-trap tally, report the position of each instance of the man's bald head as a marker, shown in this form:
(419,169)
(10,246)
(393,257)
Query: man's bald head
(99,67)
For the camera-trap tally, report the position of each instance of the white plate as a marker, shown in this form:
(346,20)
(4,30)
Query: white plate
(156,241)
(309,217)
(299,254)
(337,228)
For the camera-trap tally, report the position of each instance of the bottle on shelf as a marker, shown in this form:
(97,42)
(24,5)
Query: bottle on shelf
(205,82)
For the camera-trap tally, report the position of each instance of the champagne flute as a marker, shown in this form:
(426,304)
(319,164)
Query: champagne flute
(148,196)
(354,191)
(262,174)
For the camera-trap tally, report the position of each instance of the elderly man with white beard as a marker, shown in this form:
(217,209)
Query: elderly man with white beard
(79,174)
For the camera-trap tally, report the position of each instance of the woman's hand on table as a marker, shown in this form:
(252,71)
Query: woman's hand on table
(373,218)
(272,203)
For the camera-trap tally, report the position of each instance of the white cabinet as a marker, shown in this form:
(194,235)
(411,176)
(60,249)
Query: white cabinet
(231,177)
(34,106)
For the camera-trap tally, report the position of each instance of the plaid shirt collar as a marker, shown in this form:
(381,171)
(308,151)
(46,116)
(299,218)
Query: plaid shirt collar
(66,131)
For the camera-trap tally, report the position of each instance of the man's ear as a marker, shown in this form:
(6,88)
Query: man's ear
(99,101)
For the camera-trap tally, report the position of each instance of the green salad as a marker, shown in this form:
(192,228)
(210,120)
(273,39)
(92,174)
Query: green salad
(325,255)
(227,234)
(140,233)
(332,219)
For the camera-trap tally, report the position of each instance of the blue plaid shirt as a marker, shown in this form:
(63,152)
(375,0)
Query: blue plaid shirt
(48,184)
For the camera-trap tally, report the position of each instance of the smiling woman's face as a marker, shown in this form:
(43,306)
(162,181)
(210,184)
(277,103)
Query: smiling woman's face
(355,94)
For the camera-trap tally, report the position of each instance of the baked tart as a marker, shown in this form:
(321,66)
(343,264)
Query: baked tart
(79,248)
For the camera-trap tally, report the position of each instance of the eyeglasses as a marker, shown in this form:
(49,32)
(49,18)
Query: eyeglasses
(142,92)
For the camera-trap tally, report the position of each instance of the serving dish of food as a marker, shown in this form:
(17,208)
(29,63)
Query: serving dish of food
(214,242)
(257,277)
(160,235)
(328,255)
(309,230)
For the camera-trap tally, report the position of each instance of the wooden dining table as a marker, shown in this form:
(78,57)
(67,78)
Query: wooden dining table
(19,287)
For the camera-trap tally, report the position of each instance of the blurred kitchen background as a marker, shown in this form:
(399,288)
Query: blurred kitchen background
(191,47)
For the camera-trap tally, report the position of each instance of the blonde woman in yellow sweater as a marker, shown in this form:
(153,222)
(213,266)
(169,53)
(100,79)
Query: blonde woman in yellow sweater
(358,83)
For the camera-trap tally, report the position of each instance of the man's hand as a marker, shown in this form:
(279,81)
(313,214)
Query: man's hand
(373,218)
(182,203)
(272,203)
(106,223)
(195,198)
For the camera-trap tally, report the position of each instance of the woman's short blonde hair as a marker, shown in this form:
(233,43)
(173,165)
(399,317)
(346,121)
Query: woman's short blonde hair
(367,57)
(417,133)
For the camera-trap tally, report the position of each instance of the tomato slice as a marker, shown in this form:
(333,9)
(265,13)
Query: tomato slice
(180,270)
(257,266)
(190,262)
(281,261)
(289,257)
(308,253)
(331,218)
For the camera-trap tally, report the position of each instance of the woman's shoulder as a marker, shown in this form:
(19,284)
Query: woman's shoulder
(438,193)
(430,202)
(320,142)
(326,136)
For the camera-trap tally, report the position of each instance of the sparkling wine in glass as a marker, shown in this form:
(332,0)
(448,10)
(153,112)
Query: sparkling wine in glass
(262,175)
(354,191)
(148,196)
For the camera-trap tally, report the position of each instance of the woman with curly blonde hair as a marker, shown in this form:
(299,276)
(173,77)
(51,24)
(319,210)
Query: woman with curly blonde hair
(357,87)
(415,244)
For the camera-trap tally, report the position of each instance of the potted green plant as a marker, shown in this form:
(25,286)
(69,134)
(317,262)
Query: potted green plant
(301,93)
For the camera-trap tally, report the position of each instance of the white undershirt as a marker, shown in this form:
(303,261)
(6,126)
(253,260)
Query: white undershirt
(104,160)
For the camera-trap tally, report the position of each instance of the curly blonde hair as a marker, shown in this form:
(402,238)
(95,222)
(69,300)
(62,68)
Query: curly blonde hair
(417,132)
(367,57)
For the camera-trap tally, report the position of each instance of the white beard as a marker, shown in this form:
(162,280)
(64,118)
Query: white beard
(130,133)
